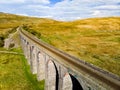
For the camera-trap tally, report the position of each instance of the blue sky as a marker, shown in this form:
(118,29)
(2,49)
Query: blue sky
(55,1)
(65,10)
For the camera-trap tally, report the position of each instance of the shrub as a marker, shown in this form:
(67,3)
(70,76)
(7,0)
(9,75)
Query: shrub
(11,45)
(34,32)
(2,37)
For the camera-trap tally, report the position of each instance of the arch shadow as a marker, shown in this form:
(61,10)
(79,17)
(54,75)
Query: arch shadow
(76,84)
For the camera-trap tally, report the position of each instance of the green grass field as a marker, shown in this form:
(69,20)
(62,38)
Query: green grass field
(15,73)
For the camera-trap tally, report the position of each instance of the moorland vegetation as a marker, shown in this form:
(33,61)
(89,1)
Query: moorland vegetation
(94,40)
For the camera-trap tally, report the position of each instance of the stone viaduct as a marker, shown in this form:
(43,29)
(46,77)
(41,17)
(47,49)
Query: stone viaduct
(62,71)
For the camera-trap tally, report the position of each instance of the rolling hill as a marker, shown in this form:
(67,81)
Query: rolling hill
(95,40)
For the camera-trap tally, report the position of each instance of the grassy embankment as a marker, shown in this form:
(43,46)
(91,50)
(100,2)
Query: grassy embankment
(94,40)
(15,73)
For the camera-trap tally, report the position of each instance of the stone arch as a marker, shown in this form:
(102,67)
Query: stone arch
(70,83)
(33,60)
(40,66)
(25,48)
(24,40)
(30,55)
(28,52)
(22,44)
(76,84)
(51,76)
(67,82)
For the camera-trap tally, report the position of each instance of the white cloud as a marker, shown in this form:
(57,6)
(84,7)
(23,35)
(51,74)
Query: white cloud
(97,13)
(46,16)
(37,7)
(108,7)
(76,9)
(24,1)
(39,10)
(39,1)
(22,14)
(11,1)
(66,9)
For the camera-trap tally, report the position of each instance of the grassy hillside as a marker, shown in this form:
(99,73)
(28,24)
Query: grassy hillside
(15,73)
(94,40)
